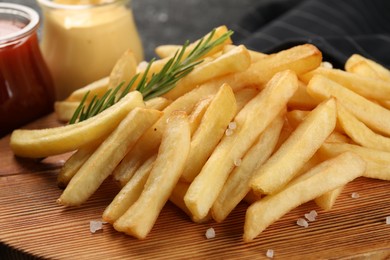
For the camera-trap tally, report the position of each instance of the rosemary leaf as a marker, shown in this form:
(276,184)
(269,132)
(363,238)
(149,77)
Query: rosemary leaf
(156,84)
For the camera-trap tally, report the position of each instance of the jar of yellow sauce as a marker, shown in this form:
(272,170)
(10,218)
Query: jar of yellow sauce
(82,40)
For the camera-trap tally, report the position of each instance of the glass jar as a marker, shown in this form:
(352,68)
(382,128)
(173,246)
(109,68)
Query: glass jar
(82,42)
(26,88)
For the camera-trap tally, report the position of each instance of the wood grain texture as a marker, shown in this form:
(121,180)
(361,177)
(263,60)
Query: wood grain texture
(32,222)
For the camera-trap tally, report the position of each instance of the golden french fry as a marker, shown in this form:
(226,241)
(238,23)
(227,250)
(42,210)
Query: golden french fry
(295,117)
(157,65)
(74,163)
(360,65)
(373,115)
(65,109)
(236,60)
(327,200)
(124,70)
(129,193)
(107,156)
(158,103)
(299,147)
(237,185)
(359,132)
(301,99)
(266,106)
(325,177)
(169,50)
(139,219)
(255,55)
(378,166)
(243,96)
(177,198)
(210,131)
(367,87)
(46,142)
(149,142)
(96,88)
(299,59)
(197,113)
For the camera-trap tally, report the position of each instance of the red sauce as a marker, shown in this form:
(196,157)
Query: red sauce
(26,88)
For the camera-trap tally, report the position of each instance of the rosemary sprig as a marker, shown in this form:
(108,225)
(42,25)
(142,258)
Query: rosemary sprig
(158,84)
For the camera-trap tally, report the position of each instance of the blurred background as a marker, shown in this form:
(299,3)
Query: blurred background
(175,21)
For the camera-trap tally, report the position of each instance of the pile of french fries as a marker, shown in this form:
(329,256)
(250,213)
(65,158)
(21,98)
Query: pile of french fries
(275,131)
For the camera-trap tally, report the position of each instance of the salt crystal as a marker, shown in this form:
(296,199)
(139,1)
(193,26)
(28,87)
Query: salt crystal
(302,222)
(270,253)
(95,225)
(355,195)
(210,233)
(228,132)
(237,162)
(232,125)
(388,220)
(311,216)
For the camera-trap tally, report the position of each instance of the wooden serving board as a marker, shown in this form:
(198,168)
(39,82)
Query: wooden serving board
(32,222)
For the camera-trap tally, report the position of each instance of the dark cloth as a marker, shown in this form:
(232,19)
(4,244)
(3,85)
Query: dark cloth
(338,28)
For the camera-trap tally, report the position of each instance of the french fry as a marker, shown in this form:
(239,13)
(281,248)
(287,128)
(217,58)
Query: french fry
(65,109)
(359,132)
(150,140)
(327,200)
(325,177)
(367,87)
(301,99)
(139,219)
(129,193)
(235,60)
(158,103)
(46,142)
(124,70)
(373,115)
(197,113)
(74,163)
(211,130)
(378,166)
(107,156)
(360,65)
(157,65)
(255,55)
(300,146)
(266,105)
(98,88)
(299,59)
(237,185)
(243,96)
(177,198)
(168,50)
(295,117)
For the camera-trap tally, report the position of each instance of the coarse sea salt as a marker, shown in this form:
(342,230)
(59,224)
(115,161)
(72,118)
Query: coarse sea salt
(210,233)
(311,216)
(270,253)
(237,162)
(228,132)
(95,225)
(302,222)
(355,195)
(232,125)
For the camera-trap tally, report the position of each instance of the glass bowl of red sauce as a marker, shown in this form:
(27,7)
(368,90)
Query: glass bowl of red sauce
(26,86)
